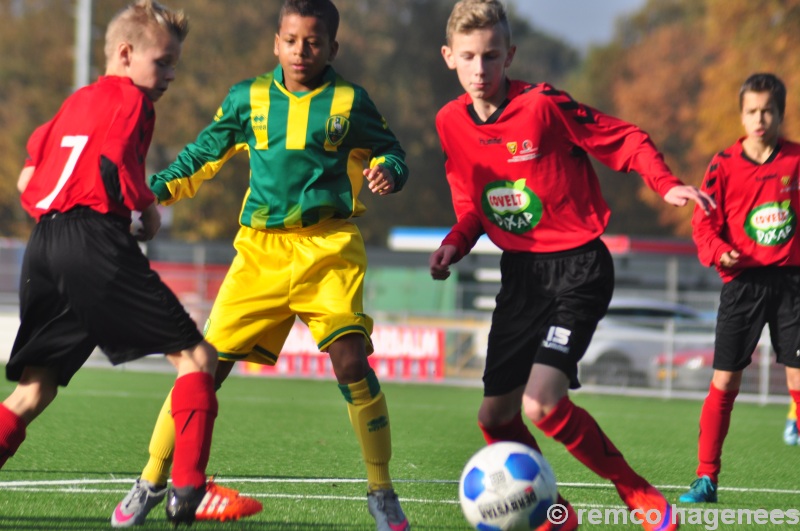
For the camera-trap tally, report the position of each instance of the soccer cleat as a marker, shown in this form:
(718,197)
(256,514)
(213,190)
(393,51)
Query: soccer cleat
(210,502)
(569,524)
(702,490)
(135,506)
(385,508)
(790,435)
(652,508)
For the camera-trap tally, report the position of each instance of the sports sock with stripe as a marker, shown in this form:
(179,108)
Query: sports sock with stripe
(194,408)
(579,432)
(162,446)
(369,416)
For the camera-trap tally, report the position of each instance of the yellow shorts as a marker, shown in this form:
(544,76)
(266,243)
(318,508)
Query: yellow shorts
(316,274)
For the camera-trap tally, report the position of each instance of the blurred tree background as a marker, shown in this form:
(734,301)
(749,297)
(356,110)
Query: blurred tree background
(673,68)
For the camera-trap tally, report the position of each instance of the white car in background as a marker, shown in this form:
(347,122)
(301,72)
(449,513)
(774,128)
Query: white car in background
(634,332)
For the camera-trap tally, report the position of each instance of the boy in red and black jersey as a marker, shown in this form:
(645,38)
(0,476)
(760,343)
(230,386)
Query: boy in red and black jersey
(85,282)
(751,240)
(518,167)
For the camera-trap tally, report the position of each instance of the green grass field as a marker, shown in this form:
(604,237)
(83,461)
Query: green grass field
(289,444)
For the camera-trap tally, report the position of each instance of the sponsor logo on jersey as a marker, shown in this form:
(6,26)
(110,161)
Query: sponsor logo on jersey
(789,183)
(336,129)
(771,223)
(528,151)
(512,206)
(490,141)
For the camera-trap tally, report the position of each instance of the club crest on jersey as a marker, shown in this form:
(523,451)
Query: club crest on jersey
(512,206)
(512,148)
(771,223)
(336,129)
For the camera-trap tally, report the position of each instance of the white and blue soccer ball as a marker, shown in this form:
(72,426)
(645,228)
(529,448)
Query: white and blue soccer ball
(507,486)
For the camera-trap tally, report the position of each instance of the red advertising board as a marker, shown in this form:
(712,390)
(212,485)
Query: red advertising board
(402,353)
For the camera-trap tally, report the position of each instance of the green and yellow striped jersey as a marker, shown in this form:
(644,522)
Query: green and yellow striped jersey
(307,151)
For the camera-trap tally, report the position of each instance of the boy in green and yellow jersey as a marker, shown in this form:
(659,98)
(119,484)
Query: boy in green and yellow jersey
(312,138)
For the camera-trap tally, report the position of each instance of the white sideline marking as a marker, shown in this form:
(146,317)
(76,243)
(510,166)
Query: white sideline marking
(72,485)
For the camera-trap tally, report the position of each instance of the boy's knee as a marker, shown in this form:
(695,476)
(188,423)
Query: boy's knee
(534,410)
(349,358)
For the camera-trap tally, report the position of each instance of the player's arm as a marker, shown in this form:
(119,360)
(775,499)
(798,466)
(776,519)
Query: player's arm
(387,172)
(203,158)
(24,178)
(34,146)
(621,146)
(707,229)
(468,228)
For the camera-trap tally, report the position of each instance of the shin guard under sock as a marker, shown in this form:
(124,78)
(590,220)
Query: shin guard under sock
(12,433)
(162,446)
(194,408)
(515,431)
(715,419)
(578,431)
(369,416)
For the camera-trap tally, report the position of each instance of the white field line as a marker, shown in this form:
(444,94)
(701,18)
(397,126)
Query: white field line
(78,485)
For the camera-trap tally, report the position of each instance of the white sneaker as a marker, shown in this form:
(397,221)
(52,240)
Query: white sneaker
(133,509)
(385,508)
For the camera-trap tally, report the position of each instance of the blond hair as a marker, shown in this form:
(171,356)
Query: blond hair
(134,23)
(469,15)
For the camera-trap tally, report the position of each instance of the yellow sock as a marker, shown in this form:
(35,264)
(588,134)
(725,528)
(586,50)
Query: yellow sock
(370,419)
(162,445)
(792,410)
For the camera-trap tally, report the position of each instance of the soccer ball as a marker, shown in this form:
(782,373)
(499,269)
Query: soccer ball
(507,486)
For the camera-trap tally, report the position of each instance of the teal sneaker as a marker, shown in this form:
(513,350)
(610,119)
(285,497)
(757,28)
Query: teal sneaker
(702,490)
(790,436)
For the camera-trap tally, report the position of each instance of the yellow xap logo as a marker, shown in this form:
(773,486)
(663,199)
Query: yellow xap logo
(336,129)
(512,148)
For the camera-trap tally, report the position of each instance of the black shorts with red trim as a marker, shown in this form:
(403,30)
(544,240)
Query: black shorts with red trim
(86,283)
(755,298)
(547,311)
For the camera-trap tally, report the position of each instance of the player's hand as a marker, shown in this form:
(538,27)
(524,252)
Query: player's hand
(440,261)
(729,259)
(680,195)
(381,179)
(151,222)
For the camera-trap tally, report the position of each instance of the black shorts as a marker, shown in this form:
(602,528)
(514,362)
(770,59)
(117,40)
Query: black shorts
(758,297)
(85,283)
(547,311)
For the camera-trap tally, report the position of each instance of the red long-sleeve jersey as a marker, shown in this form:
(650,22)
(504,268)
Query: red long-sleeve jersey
(524,177)
(92,152)
(756,212)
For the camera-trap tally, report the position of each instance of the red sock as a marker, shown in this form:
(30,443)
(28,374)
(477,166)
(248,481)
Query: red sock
(12,433)
(576,429)
(715,419)
(516,431)
(194,408)
(796,397)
